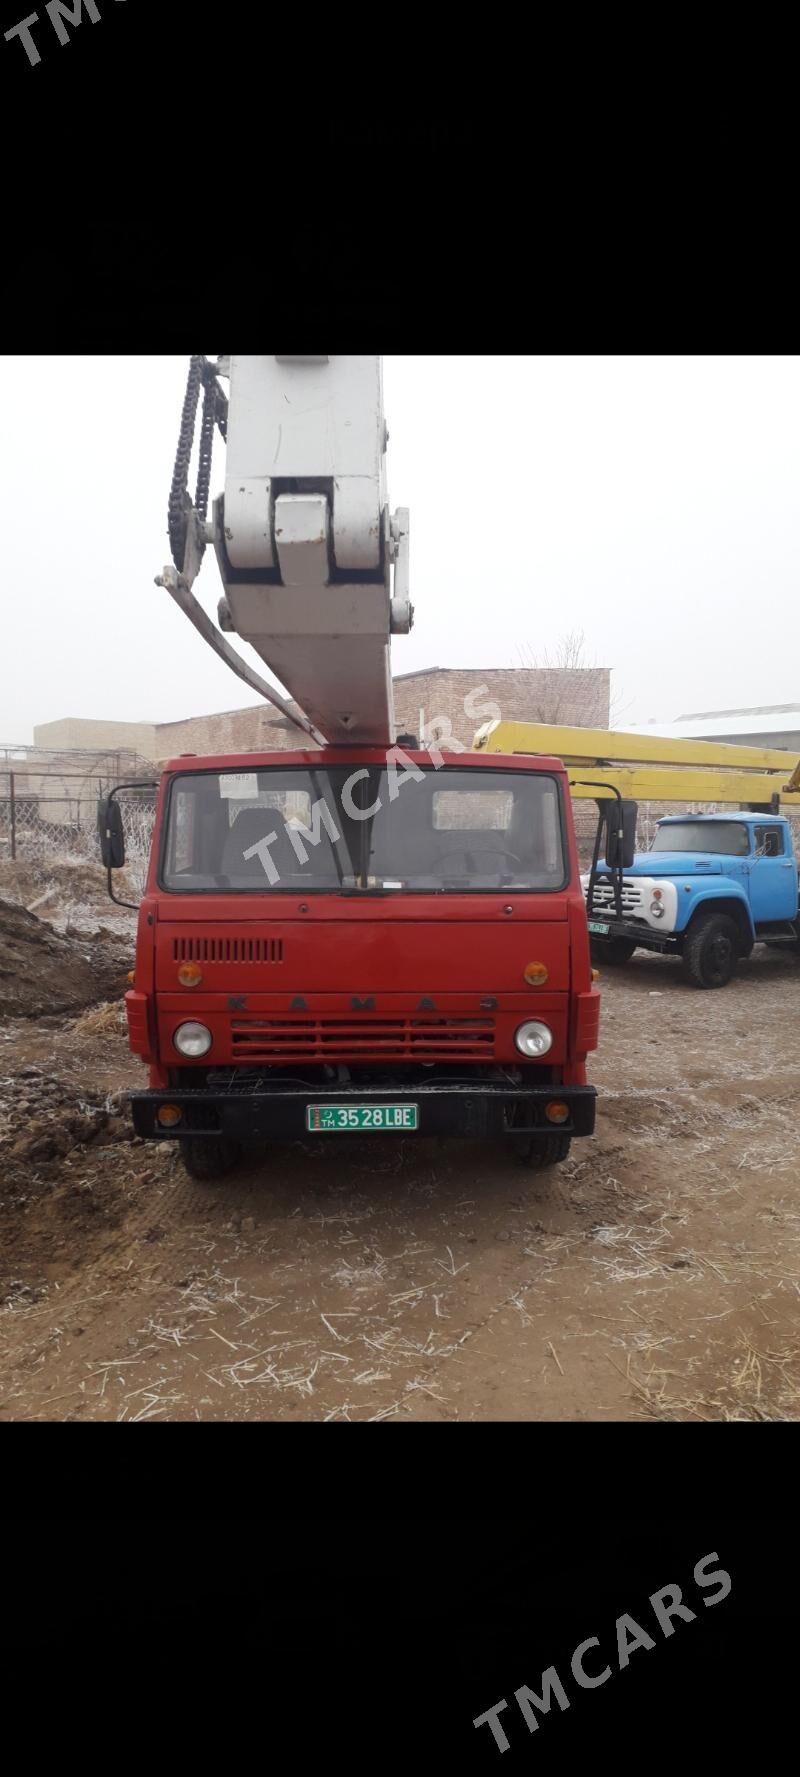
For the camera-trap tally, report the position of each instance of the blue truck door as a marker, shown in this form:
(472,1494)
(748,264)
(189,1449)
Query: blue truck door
(773,875)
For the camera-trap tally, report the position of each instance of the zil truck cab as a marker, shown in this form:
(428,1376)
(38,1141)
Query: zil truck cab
(710,887)
(361,939)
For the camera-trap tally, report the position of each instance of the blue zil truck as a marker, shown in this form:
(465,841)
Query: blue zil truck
(710,887)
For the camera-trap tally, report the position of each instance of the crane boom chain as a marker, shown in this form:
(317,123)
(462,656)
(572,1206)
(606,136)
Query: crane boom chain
(215,410)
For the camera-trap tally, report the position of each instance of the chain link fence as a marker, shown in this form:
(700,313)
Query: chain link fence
(52,818)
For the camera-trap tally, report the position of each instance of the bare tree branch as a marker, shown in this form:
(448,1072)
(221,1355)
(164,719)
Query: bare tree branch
(569,694)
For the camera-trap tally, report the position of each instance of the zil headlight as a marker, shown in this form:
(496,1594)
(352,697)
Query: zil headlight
(657,910)
(533,1039)
(192,1039)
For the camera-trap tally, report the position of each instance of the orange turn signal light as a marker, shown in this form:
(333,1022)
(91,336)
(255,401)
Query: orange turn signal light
(190,975)
(535,974)
(556,1111)
(168,1114)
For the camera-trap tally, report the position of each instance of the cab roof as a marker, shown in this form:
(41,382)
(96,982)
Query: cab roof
(323,758)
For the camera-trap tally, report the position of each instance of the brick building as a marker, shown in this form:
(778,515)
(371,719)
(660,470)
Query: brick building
(458,695)
(432,698)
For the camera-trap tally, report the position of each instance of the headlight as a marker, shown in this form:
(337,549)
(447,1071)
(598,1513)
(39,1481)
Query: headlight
(192,1039)
(656,909)
(533,1039)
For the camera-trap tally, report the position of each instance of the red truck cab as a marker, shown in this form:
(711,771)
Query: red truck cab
(362,938)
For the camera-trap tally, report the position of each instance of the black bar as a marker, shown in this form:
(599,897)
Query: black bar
(642,936)
(595,860)
(473,1111)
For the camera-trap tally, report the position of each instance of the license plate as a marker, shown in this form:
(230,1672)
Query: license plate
(320,1117)
(597,925)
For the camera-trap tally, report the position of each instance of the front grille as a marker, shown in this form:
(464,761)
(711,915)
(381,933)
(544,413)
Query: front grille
(604,898)
(227,950)
(342,1039)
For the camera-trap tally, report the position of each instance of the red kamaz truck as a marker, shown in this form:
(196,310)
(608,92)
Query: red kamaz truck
(357,940)
(369,934)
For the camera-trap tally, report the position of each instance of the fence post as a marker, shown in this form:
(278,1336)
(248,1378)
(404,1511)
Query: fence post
(13,818)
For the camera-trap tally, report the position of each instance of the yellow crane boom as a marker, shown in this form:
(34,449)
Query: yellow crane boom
(650,768)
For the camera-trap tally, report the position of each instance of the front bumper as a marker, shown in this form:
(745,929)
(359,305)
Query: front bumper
(644,937)
(272,1112)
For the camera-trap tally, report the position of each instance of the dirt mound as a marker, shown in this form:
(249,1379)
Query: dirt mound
(43,1117)
(37,882)
(71,897)
(42,972)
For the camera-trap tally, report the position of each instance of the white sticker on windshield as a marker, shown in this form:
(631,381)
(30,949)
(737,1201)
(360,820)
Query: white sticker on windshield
(239,786)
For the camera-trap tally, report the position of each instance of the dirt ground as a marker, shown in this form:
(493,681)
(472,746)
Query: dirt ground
(655,1275)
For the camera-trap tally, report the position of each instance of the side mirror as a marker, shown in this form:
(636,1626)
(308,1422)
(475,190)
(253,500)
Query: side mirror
(621,834)
(112,836)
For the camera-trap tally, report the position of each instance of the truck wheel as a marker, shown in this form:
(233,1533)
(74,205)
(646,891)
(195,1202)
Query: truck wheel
(209,1158)
(538,1151)
(711,951)
(612,950)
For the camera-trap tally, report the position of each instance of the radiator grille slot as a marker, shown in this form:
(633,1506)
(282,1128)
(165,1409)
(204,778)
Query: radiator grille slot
(632,897)
(227,950)
(341,1039)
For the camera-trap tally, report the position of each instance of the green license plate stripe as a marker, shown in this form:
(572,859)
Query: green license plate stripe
(361,1116)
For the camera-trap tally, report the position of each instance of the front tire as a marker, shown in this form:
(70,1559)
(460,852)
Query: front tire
(711,951)
(539,1151)
(209,1157)
(612,950)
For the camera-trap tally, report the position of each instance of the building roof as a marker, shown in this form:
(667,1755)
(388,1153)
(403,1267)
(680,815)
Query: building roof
(496,672)
(760,709)
(722,726)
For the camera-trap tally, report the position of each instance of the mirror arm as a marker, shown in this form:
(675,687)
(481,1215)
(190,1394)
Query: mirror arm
(150,783)
(116,898)
(617,870)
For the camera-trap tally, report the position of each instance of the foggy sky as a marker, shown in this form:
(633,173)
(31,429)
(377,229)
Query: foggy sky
(650,502)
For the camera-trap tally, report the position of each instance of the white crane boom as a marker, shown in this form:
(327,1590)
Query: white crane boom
(314,569)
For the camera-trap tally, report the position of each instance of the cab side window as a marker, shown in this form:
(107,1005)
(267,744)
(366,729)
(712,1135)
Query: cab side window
(768,842)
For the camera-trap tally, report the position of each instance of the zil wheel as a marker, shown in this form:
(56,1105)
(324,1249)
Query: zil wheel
(612,950)
(711,951)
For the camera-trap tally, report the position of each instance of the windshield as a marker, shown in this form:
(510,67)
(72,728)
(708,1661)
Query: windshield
(729,837)
(356,829)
